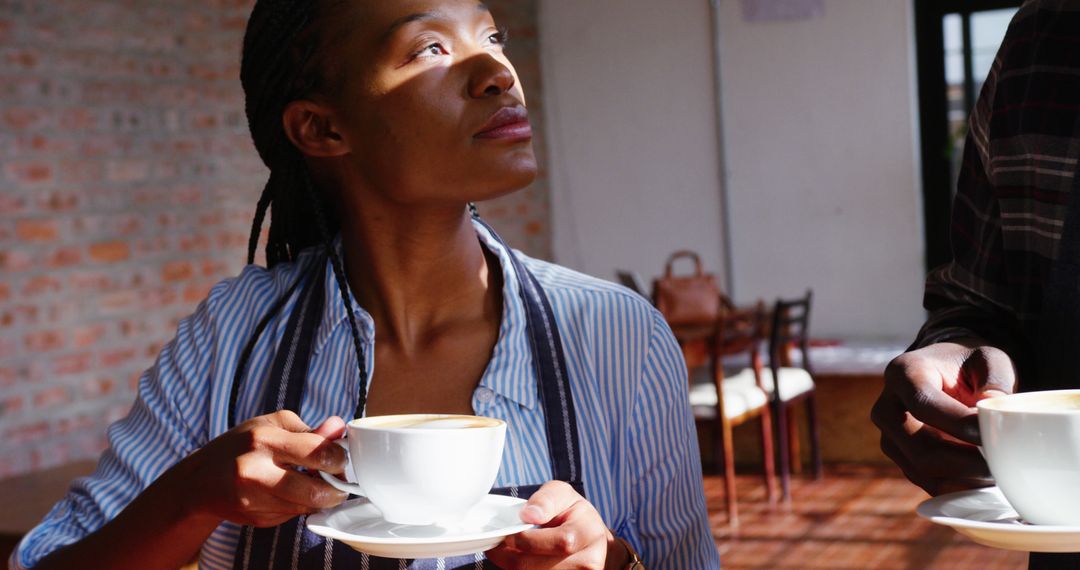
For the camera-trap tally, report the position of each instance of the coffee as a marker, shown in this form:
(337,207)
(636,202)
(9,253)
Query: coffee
(1054,401)
(428,422)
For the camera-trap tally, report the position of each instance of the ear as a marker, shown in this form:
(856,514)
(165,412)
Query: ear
(310,127)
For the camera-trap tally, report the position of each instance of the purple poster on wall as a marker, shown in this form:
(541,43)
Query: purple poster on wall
(782,10)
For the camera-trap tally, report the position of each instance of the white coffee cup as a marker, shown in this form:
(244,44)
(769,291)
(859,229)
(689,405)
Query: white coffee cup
(1031,442)
(420,469)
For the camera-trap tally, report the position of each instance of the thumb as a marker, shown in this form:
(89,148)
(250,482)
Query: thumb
(985,394)
(992,372)
(331,428)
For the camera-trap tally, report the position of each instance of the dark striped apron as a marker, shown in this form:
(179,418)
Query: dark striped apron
(291,545)
(1057,354)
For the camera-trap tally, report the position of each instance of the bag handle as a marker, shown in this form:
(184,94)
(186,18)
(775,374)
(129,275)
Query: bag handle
(683,253)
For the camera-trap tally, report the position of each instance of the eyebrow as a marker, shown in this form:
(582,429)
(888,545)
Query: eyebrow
(421,17)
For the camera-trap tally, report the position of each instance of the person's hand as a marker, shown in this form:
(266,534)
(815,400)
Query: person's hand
(571,535)
(246,475)
(926,413)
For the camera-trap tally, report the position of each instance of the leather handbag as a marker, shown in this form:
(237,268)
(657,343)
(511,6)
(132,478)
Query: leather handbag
(687,299)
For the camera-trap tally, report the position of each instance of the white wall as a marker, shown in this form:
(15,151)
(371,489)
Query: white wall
(628,88)
(822,181)
(822,174)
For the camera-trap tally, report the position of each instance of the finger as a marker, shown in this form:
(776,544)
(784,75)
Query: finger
(578,528)
(510,559)
(331,428)
(908,468)
(305,450)
(946,458)
(287,420)
(548,501)
(918,385)
(307,492)
(268,511)
(927,454)
(989,394)
(933,486)
(989,370)
(946,486)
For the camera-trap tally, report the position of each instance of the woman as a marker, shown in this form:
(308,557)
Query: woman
(380,122)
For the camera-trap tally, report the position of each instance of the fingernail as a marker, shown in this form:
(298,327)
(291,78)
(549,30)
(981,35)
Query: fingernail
(332,461)
(532,514)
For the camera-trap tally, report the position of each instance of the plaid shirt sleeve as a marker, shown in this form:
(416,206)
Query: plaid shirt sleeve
(970,296)
(1020,157)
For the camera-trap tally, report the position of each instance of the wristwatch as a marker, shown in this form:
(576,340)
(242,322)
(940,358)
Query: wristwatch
(635,560)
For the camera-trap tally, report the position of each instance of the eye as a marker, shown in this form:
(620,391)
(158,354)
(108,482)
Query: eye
(432,49)
(498,38)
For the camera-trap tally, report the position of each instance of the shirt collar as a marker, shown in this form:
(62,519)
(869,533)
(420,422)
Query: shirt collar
(510,372)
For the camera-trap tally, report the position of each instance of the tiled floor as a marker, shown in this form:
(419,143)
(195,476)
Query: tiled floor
(857,517)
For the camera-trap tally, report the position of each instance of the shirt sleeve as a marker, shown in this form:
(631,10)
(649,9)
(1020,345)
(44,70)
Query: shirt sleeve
(971,296)
(161,429)
(670,527)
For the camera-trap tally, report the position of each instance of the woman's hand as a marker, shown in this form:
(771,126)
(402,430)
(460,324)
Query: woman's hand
(246,475)
(571,535)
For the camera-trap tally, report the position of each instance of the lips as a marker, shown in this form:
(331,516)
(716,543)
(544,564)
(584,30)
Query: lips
(510,123)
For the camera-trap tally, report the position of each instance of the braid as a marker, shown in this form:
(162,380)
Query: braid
(256,225)
(339,273)
(278,66)
(276,69)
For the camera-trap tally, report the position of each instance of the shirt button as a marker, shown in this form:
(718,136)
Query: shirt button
(484,395)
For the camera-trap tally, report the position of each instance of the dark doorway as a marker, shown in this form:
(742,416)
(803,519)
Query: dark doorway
(955,42)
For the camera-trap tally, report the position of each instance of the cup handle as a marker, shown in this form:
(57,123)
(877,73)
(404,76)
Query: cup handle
(338,484)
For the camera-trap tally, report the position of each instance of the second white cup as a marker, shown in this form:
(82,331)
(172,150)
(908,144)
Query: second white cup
(1031,442)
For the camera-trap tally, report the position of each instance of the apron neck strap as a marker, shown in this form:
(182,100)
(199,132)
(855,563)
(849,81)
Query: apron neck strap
(549,363)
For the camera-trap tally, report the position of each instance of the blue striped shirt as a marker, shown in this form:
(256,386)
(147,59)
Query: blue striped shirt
(639,447)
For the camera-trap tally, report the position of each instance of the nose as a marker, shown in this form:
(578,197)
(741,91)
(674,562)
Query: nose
(490,78)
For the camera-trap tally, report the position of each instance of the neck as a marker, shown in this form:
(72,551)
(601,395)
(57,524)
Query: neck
(418,272)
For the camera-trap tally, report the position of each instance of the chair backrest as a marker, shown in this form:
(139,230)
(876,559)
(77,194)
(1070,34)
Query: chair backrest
(740,330)
(790,328)
(631,280)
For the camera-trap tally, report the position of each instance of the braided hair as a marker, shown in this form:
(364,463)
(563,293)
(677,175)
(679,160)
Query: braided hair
(281,64)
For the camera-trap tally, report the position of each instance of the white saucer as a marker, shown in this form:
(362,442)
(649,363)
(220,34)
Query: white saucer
(983,515)
(360,525)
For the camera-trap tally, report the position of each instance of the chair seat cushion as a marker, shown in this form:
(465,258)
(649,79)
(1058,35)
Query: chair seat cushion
(739,398)
(794,382)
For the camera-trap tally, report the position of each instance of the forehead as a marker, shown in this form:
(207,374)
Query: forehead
(379,19)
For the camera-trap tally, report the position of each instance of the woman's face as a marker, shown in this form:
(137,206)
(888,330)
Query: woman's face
(428,104)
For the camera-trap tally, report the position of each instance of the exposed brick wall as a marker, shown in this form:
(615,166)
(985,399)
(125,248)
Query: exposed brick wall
(127,185)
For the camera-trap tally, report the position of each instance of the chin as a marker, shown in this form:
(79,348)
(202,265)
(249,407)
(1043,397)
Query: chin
(507,177)
(513,181)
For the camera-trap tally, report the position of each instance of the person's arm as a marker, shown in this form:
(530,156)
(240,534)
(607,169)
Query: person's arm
(970,345)
(154,499)
(243,476)
(974,296)
(155,435)
(669,527)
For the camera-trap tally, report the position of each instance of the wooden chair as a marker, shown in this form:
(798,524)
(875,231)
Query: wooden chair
(729,401)
(793,384)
